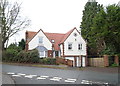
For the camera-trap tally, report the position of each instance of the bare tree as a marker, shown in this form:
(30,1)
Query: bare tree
(11,21)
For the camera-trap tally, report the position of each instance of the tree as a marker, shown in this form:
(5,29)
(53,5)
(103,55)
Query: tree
(106,30)
(11,21)
(22,44)
(90,10)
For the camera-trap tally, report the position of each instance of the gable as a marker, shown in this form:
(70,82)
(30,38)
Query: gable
(34,42)
(75,36)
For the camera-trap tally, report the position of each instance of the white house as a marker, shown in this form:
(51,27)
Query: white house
(70,45)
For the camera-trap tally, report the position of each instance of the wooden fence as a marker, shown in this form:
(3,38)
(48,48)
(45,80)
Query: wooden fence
(98,62)
(103,61)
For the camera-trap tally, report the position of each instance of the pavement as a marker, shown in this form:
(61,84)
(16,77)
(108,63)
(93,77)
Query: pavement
(6,79)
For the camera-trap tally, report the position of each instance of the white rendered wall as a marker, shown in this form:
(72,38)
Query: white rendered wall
(71,39)
(61,49)
(35,42)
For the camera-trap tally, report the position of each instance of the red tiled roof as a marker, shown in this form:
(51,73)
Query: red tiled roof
(30,35)
(66,35)
(57,37)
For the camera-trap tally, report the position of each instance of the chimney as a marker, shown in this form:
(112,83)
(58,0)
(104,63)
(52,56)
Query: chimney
(26,42)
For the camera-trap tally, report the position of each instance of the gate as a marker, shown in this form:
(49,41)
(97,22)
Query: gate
(111,60)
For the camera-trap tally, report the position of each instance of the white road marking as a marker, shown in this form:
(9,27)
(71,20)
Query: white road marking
(10,73)
(70,80)
(92,82)
(44,76)
(40,78)
(16,75)
(56,79)
(85,83)
(33,75)
(53,79)
(28,76)
(21,74)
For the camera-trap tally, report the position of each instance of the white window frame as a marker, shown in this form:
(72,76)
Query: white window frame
(80,46)
(70,46)
(42,53)
(40,40)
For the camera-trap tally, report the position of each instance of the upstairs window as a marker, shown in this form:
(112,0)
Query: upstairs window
(79,46)
(53,41)
(40,39)
(69,46)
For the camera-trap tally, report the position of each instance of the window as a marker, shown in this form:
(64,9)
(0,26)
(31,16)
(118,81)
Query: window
(40,39)
(79,46)
(41,53)
(69,46)
(75,34)
(56,53)
(53,40)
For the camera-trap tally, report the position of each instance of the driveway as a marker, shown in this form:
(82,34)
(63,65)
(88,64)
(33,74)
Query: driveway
(36,75)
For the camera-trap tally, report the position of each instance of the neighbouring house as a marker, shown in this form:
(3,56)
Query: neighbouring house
(70,45)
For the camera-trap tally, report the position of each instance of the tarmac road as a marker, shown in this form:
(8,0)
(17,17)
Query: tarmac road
(36,75)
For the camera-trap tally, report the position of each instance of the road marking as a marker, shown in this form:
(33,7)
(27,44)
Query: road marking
(85,83)
(28,76)
(10,73)
(16,75)
(44,76)
(70,80)
(53,79)
(40,78)
(56,79)
(92,82)
(21,74)
(33,75)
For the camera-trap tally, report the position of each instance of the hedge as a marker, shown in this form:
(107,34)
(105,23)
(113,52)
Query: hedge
(12,55)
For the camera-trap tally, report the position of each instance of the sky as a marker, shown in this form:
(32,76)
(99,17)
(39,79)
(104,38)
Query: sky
(55,16)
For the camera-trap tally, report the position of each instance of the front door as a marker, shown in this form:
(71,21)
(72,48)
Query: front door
(50,53)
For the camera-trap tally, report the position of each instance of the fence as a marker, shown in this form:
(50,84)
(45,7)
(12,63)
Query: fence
(64,61)
(96,62)
(103,61)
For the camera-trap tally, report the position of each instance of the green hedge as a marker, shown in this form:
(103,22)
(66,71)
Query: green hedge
(28,57)
(51,61)
(12,55)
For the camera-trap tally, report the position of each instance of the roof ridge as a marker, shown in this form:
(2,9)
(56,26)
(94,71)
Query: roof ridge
(54,33)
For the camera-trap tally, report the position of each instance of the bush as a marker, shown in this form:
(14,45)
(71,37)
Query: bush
(49,61)
(114,65)
(9,55)
(28,57)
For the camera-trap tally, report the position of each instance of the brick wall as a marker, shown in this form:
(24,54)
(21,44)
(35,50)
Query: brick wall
(64,61)
(116,60)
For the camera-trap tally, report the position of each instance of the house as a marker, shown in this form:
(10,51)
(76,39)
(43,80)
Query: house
(69,45)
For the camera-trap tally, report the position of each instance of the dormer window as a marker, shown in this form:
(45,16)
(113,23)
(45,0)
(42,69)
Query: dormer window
(53,41)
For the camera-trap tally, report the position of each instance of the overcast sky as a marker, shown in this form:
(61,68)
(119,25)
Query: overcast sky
(56,16)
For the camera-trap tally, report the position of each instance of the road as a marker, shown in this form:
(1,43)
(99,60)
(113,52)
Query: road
(36,75)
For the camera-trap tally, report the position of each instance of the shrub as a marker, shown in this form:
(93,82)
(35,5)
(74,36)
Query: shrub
(9,55)
(51,61)
(114,65)
(28,57)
